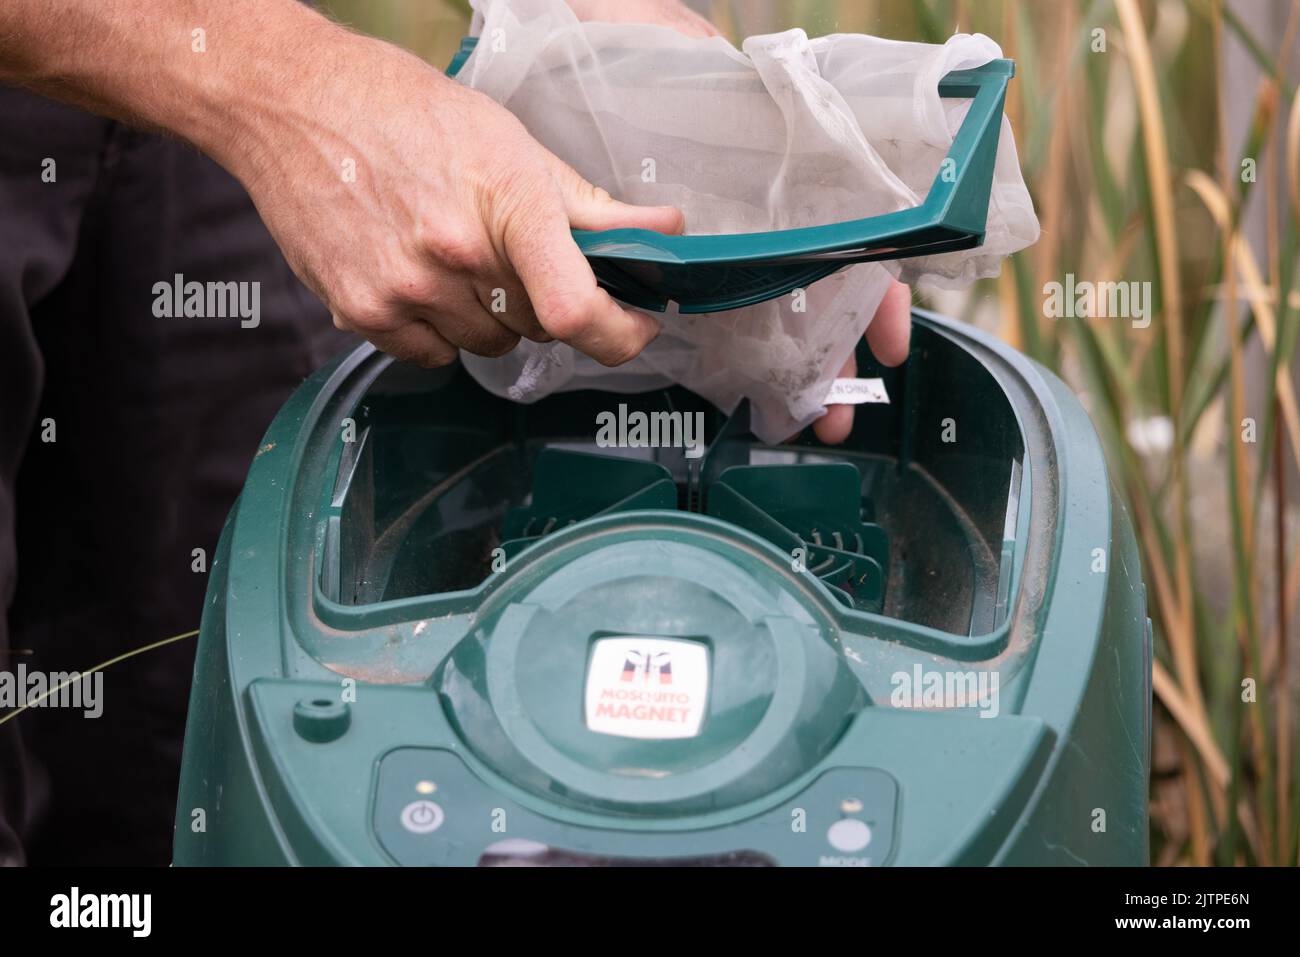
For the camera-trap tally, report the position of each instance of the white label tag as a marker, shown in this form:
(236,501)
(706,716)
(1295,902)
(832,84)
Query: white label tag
(857,392)
(640,687)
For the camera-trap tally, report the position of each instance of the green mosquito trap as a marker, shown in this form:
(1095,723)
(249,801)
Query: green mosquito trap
(446,629)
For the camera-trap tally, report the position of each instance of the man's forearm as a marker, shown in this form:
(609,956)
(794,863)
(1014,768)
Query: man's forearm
(204,70)
(341,141)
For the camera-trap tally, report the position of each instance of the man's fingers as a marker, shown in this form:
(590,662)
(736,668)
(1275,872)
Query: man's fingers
(417,342)
(557,278)
(888,336)
(834,427)
(590,207)
(568,303)
(468,325)
(891,329)
(507,301)
(562,288)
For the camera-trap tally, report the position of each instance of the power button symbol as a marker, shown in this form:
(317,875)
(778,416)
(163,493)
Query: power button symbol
(422,817)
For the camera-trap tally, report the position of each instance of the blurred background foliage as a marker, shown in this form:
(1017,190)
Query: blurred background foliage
(1161,142)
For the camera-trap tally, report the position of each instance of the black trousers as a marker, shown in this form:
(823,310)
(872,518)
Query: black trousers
(124,438)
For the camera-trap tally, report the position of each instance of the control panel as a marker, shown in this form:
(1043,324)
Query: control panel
(430,809)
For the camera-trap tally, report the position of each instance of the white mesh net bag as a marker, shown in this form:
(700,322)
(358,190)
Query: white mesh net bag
(787,132)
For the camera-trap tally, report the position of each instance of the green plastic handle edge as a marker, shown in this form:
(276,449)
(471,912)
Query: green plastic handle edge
(952,217)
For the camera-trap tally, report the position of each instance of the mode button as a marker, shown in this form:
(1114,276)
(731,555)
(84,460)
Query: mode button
(849,835)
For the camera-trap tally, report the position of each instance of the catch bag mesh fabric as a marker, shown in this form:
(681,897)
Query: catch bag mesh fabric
(786,132)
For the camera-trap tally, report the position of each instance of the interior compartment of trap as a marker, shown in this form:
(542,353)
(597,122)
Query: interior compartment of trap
(914,517)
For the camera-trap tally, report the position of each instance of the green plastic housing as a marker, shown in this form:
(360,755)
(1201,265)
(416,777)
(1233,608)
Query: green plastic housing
(711,273)
(407,601)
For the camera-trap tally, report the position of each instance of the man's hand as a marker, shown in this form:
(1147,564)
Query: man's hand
(422,213)
(888,337)
(454,230)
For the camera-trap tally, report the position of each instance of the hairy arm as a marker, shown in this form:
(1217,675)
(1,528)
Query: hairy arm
(407,202)
(200,69)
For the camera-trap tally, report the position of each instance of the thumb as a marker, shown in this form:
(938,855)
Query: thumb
(563,292)
(590,207)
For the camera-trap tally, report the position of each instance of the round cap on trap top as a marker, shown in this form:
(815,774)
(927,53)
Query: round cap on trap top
(653,665)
